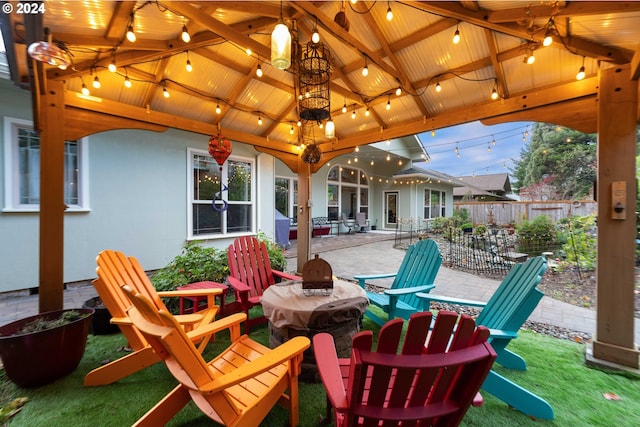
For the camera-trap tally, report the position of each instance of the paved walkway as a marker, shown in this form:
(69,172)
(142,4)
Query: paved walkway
(368,253)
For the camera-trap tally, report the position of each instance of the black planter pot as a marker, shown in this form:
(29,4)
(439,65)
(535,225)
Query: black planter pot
(101,322)
(38,358)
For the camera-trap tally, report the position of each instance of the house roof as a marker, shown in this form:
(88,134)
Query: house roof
(418,173)
(495,182)
(414,52)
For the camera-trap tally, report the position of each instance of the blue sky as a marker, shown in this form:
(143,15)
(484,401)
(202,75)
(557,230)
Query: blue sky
(472,141)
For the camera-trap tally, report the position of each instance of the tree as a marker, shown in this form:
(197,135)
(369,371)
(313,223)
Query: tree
(561,157)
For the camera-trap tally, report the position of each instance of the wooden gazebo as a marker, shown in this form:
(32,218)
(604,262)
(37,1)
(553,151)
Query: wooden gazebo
(408,58)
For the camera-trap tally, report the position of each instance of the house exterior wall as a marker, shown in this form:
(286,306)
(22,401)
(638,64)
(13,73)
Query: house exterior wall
(139,196)
(138,199)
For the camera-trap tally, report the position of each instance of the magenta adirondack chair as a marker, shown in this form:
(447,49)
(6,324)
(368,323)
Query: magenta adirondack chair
(432,383)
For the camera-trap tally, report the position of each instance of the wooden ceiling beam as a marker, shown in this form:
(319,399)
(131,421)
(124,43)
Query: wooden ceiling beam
(119,21)
(403,80)
(118,109)
(218,27)
(501,82)
(573,9)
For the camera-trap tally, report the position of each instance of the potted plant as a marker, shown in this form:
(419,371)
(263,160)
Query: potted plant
(41,349)
(101,321)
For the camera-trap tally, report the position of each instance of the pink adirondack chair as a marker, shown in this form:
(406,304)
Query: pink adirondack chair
(434,379)
(250,274)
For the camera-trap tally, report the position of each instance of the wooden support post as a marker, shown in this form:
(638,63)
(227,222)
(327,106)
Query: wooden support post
(617,107)
(304,213)
(51,127)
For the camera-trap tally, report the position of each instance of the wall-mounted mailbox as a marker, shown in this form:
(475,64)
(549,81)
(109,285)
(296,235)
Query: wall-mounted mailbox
(618,200)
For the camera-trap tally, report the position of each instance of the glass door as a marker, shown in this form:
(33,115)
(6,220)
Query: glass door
(390,209)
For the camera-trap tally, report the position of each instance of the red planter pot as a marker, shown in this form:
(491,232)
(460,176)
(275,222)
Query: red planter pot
(38,358)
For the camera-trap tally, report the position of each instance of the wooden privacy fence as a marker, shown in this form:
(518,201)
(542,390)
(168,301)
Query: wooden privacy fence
(502,213)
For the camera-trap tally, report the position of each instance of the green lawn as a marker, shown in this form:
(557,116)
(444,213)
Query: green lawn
(556,372)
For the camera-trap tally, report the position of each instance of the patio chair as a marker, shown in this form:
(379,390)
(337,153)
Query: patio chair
(361,225)
(344,223)
(237,388)
(417,273)
(504,313)
(114,270)
(250,273)
(431,380)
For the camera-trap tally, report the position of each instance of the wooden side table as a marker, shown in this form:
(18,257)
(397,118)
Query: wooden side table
(196,300)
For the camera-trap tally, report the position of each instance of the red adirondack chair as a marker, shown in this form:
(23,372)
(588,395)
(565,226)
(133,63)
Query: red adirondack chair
(250,274)
(434,379)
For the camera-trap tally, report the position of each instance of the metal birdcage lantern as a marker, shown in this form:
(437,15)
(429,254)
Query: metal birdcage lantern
(314,76)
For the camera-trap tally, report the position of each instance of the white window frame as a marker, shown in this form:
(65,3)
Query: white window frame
(12,173)
(361,183)
(191,152)
(292,197)
(441,208)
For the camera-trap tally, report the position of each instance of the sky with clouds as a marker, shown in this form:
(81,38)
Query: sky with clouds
(480,150)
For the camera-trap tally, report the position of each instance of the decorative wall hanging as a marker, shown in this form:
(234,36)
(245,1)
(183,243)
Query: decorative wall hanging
(220,149)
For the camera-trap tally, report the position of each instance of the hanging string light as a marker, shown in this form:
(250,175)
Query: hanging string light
(389,12)
(185,34)
(218,109)
(112,65)
(365,69)
(259,71)
(581,73)
(131,35)
(438,87)
(85,89)
(388,103)
(548,35)
(456,35)
(188,65)
(96,82)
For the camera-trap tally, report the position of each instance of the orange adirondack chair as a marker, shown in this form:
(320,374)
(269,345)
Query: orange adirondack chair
(237,388)
(250,274)
(434,379)
(114,270)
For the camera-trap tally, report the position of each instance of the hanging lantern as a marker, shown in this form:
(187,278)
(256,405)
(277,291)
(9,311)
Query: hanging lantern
(281,46)
(219,149)
(311,154)
(314,78)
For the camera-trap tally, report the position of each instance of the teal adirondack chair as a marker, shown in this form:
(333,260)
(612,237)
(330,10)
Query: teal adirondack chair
(505,312)
(417,273)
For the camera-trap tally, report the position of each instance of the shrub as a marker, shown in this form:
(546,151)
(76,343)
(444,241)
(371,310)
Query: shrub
(580,244)
(194,264)
(536,236)
(480,230)
(460,216)
(276,254)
